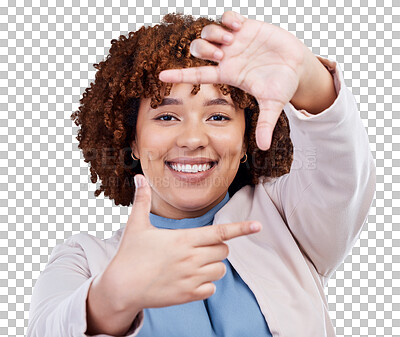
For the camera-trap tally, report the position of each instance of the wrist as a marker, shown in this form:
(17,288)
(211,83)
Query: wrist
(316,91)
(113,285)
(104,313)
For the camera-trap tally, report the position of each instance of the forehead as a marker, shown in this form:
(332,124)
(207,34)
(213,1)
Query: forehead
(181,94)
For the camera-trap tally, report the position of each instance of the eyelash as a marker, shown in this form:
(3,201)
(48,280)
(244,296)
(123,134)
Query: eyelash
(169,115)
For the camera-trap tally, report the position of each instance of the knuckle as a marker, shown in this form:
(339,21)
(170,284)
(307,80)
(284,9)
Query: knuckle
(221,232)
(199,294)
(190,261)
(244,228)
(226,250)
(207,291)
(181,75)
(222,269)
(198,75)
(181,240)
(213,288)
(141,196)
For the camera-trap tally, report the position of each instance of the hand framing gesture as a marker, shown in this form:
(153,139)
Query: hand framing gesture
(159,267)
(264,60)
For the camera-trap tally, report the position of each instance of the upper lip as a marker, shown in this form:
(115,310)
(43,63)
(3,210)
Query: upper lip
(190,161)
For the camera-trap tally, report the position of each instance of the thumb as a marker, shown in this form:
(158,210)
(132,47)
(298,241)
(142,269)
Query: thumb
(141,204)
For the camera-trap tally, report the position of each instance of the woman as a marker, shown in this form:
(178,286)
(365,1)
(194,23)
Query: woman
(208,161)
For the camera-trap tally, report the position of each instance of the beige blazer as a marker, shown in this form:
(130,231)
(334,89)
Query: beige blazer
(311,217)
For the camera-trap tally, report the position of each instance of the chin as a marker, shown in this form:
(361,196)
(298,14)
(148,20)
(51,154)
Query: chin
(189,200)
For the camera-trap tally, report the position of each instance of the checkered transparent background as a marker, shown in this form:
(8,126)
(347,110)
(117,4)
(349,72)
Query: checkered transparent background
(47,49)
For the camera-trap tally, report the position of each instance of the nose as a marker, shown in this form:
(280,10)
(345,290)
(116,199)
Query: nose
(192,135)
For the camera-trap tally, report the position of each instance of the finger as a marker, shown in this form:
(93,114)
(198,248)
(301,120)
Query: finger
(209,254)
(269,115)
(141,204)
(205,50)
(211,235)
(194,75)
(211,272)
(216,34)
(233,20)
(204,291)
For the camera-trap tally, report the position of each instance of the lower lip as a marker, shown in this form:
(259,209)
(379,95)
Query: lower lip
(192,177)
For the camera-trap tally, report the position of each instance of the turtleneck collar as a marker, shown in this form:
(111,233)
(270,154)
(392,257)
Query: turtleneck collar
(203,220)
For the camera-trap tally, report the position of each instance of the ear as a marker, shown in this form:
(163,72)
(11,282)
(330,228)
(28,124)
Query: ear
(244,147)
(134,148)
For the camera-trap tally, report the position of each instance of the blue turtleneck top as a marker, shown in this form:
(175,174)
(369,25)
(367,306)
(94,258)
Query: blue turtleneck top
(232,311)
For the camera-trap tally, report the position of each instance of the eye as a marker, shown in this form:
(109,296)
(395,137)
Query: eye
(220,116)
(167,116)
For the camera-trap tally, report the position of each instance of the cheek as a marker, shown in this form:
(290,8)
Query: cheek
(228,144)
(153,143)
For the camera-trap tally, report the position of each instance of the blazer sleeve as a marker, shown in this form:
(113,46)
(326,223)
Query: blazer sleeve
(325,198)
(58,303)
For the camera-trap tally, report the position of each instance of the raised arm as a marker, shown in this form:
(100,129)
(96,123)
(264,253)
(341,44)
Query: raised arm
(326,197)
(324,201)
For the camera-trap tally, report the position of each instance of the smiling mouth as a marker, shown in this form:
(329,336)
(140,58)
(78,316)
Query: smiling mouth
(191,169)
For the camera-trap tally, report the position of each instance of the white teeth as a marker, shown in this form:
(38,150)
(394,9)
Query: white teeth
(190,168)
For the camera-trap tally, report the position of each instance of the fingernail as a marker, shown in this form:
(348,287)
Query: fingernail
(255,226)
(218,55)
(138,181)
(236,24)
(228,38)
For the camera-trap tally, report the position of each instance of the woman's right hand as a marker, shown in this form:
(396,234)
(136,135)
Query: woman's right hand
(160,267)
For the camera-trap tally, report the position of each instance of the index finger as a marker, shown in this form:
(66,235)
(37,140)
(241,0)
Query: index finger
(194,75)
(211,235)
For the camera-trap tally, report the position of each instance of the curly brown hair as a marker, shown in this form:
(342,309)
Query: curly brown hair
(108,109)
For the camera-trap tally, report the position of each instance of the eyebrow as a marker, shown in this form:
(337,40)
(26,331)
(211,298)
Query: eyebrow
(216,101)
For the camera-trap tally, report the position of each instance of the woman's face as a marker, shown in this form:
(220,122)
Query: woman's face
(189,129)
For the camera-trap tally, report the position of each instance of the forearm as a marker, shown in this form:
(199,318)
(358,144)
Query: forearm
(102,316)
(330,188)
(316,90)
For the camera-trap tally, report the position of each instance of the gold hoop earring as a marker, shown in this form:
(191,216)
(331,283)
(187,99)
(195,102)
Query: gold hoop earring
(245,156)
(133,156)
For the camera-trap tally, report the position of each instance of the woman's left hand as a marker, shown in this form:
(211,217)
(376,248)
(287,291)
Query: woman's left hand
(264,60)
